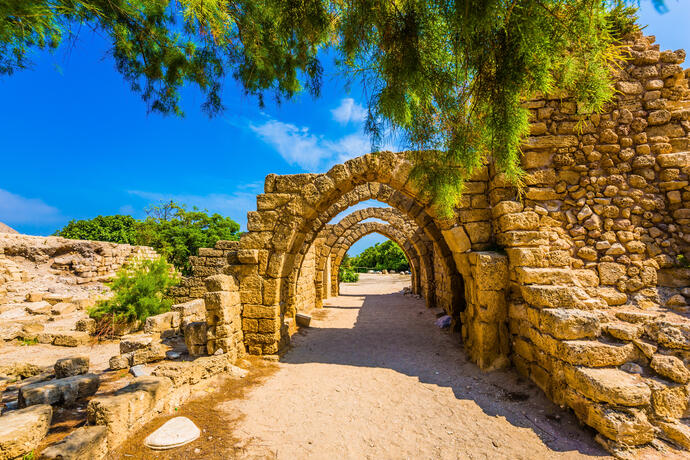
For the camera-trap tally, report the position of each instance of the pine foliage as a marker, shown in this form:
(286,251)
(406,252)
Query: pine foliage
(447,77)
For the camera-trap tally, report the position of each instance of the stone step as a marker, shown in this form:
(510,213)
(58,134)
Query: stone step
(59,391)
(85,443)
(609,385)
(548,296)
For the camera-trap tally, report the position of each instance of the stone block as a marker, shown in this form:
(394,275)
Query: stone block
(195,337)
(260,311)
(610,272)
(594,353)
(490,270)
(59,391)
(152,353)
(128,407)
(38,308)
(68,367)
(86,325)
(84,443)
(569,324)
(221,283)
(63,308)
(130,343)
(609,385)
(457,239)
(221,299)
(22,430)
(70,338)
(670,367)
(668,401)
(624,425)
(676,431)
(301,319)
(194,310)
(553,296)
(163,322)
(120,361)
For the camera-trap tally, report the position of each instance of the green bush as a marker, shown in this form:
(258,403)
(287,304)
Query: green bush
(347,275)
(115,229)
(139,292)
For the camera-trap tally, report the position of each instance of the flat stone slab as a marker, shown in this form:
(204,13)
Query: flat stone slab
(22,430)
(59,391)
(175,432)
(302,320)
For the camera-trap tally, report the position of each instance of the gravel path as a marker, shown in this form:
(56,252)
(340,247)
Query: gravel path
(374,378)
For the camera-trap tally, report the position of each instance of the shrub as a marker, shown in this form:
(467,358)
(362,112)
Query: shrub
(115,229)
(347,275)
(139,292)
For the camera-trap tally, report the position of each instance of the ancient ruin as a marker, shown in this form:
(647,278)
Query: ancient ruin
(581,284)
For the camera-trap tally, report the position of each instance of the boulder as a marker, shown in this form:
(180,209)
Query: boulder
(68,367)
(59,391)
(22,430)
(85,443)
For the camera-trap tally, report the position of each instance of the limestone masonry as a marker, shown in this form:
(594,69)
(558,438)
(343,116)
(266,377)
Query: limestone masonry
(582,283)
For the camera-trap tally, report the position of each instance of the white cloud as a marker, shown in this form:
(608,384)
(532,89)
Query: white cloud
(349,112)
(235,205)
(15,209)
(296,145)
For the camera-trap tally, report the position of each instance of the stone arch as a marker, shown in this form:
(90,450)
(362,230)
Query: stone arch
(358,231)
(295,208)
(417,238)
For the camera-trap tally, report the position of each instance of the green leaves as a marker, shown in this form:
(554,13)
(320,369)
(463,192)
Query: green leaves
(139,291)
(170,229)
(447,77)
(381,256)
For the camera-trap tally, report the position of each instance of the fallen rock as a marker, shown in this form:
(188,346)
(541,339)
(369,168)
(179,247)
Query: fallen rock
(63,308)
(175,432)
(59,391)
(139,371)
(85,443)
(86,325)
(302,320)
(38,308)
(68,367)
(131,343)
(128,407)
(70,338)
(162,323)
(22,430)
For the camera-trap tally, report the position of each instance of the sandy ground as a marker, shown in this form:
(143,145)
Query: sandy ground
(374,378)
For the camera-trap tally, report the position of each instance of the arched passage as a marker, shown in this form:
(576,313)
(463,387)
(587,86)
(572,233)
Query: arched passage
(332,234)
(358,231)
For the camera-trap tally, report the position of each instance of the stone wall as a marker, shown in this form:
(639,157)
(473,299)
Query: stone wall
(86,260)
(597,300)
(305,295)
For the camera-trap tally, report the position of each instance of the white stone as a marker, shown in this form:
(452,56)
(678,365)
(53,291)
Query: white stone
(175,432)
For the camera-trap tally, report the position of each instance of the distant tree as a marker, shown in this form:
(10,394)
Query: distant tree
(381,256)
(178,233)
(115,229)
(169,229)
(448,76)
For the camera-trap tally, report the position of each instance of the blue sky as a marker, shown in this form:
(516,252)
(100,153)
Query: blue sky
(75,142)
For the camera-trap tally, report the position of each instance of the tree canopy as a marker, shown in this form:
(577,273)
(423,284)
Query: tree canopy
(170,229)
(447,77)
(381,256)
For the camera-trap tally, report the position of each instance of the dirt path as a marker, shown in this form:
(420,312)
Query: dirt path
(375,378)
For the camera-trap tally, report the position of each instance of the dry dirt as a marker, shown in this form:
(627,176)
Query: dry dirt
(374,378)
